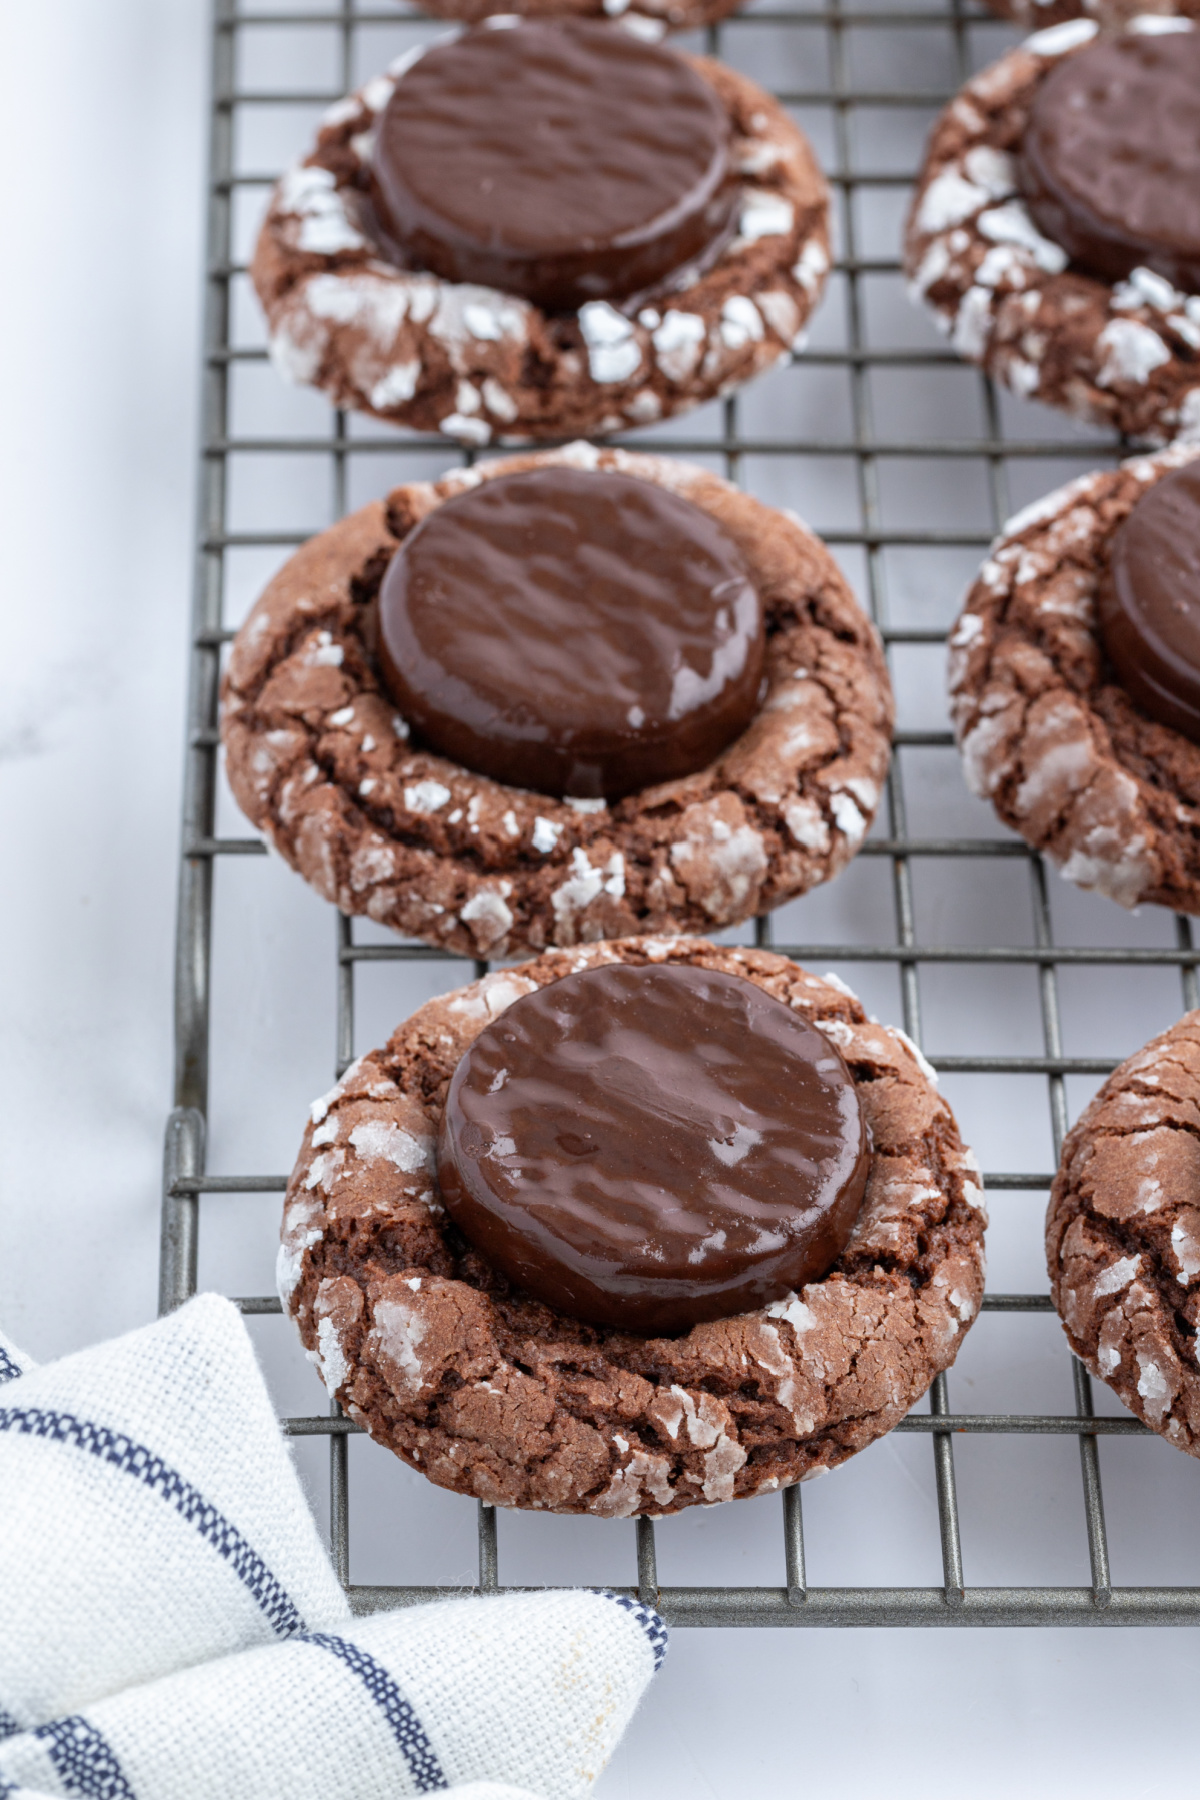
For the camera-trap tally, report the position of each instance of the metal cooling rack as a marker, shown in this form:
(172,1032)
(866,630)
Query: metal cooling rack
(864,81)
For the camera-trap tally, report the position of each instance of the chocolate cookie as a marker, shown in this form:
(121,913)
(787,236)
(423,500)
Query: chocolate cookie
(1034,15)
(354,311)
(1066,756)
(675,15)
(493,1394)
(318,757)
(1123,1234)
(1119,348)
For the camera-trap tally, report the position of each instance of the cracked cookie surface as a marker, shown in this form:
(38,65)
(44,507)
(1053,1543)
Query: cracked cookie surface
(1125,354)
(319,759)
(492,1394)
(1046,734)
(1123,1234)
(479,365)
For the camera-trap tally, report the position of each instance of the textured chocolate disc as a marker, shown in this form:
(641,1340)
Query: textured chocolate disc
(565,160)
(1149,604)
(650,1147)
(1110,159)
(572,631)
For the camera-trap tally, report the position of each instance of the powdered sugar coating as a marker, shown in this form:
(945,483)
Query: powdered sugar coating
(1123,1234)
(318,758)
(1123,354)
(478,365)
(499,1397)
(1064,755)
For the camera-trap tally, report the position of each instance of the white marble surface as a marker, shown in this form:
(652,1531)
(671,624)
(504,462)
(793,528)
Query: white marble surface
(101,144)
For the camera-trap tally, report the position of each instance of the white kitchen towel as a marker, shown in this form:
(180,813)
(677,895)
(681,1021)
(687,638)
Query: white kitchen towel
(470,1790)
(150,1516)
(530,1689)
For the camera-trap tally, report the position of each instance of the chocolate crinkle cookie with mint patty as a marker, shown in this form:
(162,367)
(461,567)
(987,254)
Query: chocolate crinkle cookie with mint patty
(543,229)
(558,697)
(671,15)
(1055,230)
(1036,15)
(1074,679)
(1123,1234)
(631,1228)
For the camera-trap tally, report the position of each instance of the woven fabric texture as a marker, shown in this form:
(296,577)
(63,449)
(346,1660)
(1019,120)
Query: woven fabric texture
(533,1690)
(137,1534)
(471,1790)
(172,1628)
(13,1362)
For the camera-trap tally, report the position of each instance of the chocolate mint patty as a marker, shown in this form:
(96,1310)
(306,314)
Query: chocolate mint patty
(652,1147)
(565,161)
(1110,160)
(1149,605)
(573,632)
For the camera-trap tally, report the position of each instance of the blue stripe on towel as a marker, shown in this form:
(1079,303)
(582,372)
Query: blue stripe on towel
(84,1761)
(652,1624)
(9,1370)
(407,1729)
(135,1459)
(8,1726)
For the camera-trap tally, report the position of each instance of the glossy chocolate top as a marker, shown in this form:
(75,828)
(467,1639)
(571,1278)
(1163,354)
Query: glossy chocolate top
(565,160)
(574,632)
(1110,160)
(1149,604)
(652,1147)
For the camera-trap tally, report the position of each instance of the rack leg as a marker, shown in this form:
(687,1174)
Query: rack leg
(647,1563)
(183,1155)
(489,1574)
(947,1491)
(339,1499)
(1093,1497)
(793,1546)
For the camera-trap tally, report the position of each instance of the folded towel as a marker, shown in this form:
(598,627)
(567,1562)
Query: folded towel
(171,1628)
(529,1689)
(150,1516)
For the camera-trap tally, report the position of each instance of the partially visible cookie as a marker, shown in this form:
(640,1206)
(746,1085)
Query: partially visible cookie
(1123,1234)
(477,364)
(1046,734)
(1035,15)
(675,15)
(493,1394)
(1121,353)
(319,759)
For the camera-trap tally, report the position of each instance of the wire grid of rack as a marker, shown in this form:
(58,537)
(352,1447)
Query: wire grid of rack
(831,39)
